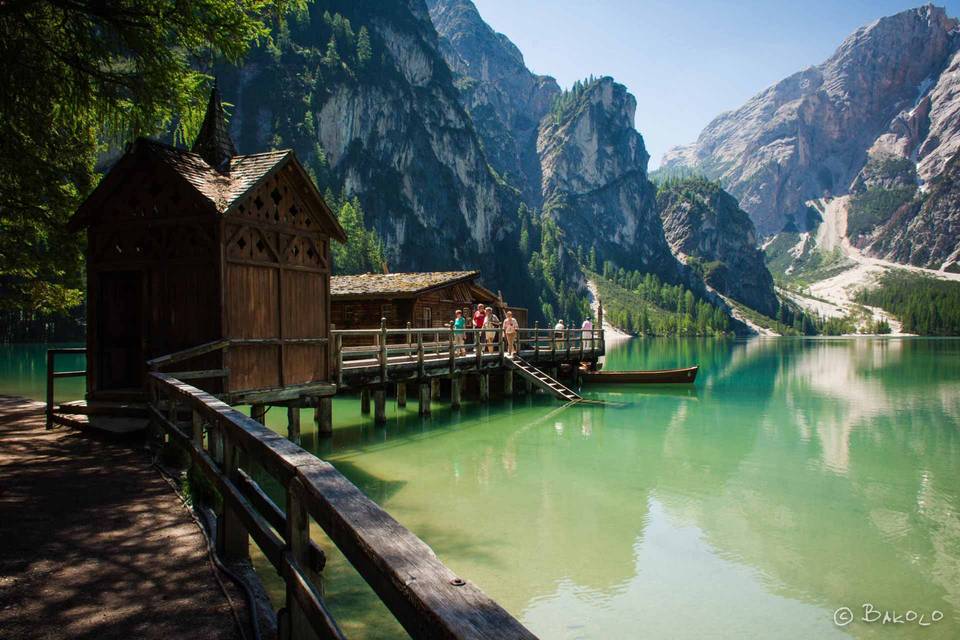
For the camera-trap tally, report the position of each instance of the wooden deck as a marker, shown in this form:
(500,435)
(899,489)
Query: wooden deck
(95,544)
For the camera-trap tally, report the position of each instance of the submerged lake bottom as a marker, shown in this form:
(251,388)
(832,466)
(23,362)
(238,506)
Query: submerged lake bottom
(802,488)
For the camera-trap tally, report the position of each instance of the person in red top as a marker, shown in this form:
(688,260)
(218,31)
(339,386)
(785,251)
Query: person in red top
(478,318)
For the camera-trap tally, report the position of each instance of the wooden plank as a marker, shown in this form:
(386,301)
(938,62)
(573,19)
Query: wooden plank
(200,375)
(186,354)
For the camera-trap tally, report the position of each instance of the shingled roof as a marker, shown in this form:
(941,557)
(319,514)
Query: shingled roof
(222,189)
(395,284)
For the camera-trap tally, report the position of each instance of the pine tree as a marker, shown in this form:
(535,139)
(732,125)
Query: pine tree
(364,50)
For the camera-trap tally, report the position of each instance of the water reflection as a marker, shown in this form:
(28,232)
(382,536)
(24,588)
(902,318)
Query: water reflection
(796,477)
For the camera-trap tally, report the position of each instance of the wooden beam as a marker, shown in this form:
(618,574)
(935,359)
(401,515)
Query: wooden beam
(456,387)
(508,382)
(293,423)
(484,379)
(323,416)
(401,394)
(365,401)
(424,391)
(434,388)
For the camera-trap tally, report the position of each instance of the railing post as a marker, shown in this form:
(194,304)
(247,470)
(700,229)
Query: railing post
(453,362)
(501,337)
(566,339)
(51,360)
(420,354)
(409,339)
(338,346)
(383,350)
(197,421)
(553,345)
(233,539)
(298,543)
(536,340)
(478,336)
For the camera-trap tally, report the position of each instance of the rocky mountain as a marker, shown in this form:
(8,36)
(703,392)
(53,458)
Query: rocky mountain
(704,224)
(809,136)
(574,155)
(594,178)
(360,90)
(505,99)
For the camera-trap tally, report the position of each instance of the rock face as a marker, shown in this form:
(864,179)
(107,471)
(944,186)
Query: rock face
(704,224)
(594,178)
(387,125)
(505,100)
(808,136)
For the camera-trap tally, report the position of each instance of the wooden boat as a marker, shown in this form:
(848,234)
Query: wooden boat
(662,376)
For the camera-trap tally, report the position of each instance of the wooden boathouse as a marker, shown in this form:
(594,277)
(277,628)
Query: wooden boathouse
(209,286)
(420,300)
(208,247)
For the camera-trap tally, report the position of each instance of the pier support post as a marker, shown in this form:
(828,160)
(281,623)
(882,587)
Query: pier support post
(553,372)
(259,413)
(401,394)
(365,401)
(527,386)
(508,382)
(293,424)
(380,406)
(424,388)
(323,416)
(435,389)
(456,387)
(484,387)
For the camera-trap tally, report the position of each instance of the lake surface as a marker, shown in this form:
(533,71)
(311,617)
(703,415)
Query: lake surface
(796,477)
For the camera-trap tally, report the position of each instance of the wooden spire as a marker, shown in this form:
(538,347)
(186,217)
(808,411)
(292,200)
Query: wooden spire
(213,143)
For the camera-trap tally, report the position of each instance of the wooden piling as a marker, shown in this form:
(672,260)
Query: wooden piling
(456,387)
(323,416)
(380,406)
(424,388)
(508,382)
(365,401)
(435,389)
(401,394)
(293,424)
(484,387)
(259,413)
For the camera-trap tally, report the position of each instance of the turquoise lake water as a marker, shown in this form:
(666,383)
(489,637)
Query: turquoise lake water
(795,478)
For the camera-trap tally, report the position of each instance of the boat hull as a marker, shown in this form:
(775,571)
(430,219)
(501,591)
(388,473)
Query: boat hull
(664,376)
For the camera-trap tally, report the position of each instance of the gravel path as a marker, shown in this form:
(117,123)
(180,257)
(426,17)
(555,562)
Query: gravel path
(95,544)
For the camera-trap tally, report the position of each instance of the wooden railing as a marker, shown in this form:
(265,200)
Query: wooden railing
(53,375)
(428,599)
(441,344)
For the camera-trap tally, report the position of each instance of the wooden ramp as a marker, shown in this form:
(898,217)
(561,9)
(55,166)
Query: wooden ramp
(542,380)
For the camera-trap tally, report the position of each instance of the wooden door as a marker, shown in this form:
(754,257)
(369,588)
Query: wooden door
(119,330)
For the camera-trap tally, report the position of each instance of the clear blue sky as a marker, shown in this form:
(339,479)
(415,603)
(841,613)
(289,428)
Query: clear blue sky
(686,61)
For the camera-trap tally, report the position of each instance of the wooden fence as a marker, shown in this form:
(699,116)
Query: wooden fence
(427,599)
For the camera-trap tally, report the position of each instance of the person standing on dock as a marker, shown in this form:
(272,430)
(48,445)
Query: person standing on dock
(511,328)
(459,324)
(490,322)
(558,330)
(587,330)
(478,319)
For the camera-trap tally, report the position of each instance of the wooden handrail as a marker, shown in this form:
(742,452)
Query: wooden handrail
(426,597)
(186,354)
(53,375)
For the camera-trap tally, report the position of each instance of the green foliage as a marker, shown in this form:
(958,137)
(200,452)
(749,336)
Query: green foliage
(363,252)
(642,304)
(873,207)
(79,77)
(565,104)
(925,305)
(553,271)
(364,49)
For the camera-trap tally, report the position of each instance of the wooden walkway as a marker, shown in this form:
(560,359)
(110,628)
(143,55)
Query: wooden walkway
(95,544)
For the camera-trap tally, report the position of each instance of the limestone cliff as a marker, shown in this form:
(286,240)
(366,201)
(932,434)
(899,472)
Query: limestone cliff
(704,225)
(808,136)
(361,91)
(594,178)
